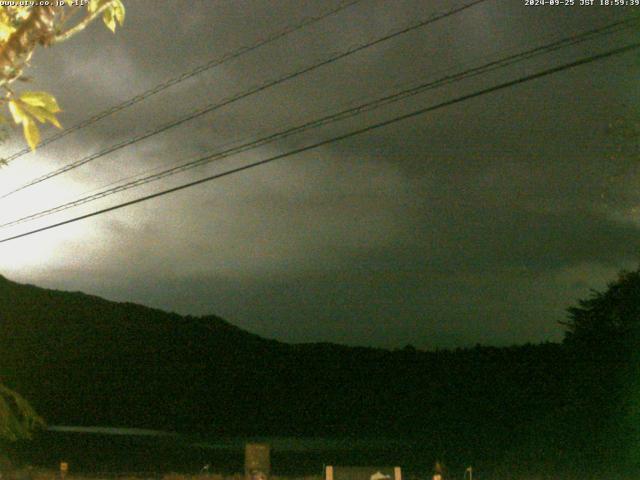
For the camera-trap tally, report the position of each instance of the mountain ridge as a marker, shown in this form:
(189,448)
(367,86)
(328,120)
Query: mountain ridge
(85,361)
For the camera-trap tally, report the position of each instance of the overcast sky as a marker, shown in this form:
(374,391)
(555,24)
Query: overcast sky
(480,222)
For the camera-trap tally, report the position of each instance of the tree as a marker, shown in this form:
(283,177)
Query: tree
(22,30)
(609,318)
(603,333)
(18,420)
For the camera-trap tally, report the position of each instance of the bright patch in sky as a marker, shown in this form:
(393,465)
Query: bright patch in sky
(50,248)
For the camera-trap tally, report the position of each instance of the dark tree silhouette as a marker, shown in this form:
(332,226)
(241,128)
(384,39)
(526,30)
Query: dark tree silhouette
(603,334)
(610,318)
(18,421)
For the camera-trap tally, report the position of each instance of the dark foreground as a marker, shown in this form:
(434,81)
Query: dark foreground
(183,458)
(96,454)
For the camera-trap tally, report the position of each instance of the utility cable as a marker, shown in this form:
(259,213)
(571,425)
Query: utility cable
(353,133)
(186,76)
(344,114)
(215,106)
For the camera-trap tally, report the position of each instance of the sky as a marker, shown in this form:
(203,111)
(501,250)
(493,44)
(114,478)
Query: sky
(480,222)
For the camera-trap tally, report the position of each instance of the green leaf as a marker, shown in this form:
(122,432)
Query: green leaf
(31,133)
(42,115)
(19,115)
(5,30)
(94,5)
(40,99)
(119,11)
(109,19)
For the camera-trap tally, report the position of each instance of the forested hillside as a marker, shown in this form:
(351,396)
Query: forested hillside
(83,360)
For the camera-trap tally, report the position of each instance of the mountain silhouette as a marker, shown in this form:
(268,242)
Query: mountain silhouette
(86,361)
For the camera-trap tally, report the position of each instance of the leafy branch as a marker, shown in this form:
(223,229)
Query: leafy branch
(17,418)
(112,11)
(22,29)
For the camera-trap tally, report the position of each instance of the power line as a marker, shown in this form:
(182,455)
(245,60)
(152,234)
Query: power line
(344,114)
(215,106)
(579,38)
(185,76)
(353,133)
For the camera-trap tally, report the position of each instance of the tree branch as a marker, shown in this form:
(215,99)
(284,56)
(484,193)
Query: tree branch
(80,26)
(37,29)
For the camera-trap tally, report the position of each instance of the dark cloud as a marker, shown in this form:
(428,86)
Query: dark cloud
(480,222)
